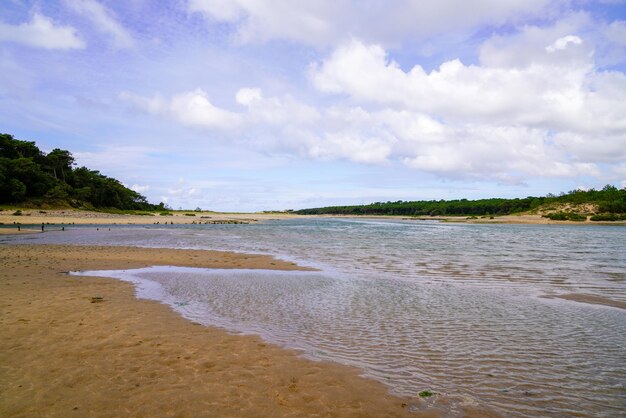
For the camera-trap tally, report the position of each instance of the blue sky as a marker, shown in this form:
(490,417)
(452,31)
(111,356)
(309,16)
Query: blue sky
(248,105)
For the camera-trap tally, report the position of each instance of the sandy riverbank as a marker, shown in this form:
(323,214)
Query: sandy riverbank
(83,217)
(520,219)
(84,346)
(517,219)
(32,219)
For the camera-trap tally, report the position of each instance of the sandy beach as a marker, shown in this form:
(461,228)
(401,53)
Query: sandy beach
(32,219)
(83,217)
(85,346)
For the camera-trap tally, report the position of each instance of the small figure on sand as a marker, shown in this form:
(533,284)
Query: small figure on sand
(42,227)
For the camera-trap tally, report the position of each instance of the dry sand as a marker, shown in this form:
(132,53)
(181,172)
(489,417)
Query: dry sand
(71,216)
(32,219)
(85,346)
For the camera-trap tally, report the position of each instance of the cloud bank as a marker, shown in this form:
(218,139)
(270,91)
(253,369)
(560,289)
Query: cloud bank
(535,104)
(325,22)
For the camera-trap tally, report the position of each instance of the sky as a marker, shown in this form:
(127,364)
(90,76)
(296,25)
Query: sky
(248,105)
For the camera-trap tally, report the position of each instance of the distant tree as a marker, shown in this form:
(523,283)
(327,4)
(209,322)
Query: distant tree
(610,199)
(60,162)
(17,190)
(27,173)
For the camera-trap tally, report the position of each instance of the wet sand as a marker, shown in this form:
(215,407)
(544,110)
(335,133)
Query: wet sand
(591,299)
(12,231)
(85,346)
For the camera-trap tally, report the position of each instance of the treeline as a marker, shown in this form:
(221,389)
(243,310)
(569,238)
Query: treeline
(608,200)
(29,175)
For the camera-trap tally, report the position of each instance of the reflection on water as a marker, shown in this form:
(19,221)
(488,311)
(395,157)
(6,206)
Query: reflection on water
(549,259)
(452,308)
(523,356)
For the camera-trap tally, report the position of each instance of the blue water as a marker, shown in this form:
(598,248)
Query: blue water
(459,309)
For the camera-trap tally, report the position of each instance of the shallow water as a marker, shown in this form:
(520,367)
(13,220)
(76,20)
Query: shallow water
(456,309)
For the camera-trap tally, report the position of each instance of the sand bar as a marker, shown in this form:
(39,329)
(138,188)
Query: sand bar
(83,217)
(85,346)
(590,299)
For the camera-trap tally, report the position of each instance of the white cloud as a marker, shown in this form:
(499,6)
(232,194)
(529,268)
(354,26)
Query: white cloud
(450,149)
(478,151)
(260,21)
(557,96)
(194,108)
(275,110)
(325,22)
(543,110)
(552,116)
(358,148)
(191,108)
(562,43)
(104,20)
(544,46)
(538,94)
(140,188)
(41,32)
(246,96)
(504,153)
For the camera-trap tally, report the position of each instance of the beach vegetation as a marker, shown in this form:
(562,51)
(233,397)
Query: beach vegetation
(17,213)
(608,217)
(31,177)
(166,214)
(609,199)
(566,216)
(116,211)
(425,394)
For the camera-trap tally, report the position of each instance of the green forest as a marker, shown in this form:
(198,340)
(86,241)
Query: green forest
(30,176)
(610,203)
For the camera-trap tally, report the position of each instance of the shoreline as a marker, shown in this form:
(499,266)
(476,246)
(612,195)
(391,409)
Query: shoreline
(33,219)
(83,217)
(78,344)
(86,345)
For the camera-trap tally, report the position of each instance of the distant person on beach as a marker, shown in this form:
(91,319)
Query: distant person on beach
(42,227)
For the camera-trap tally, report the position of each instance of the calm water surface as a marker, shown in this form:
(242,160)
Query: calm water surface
(457,309)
